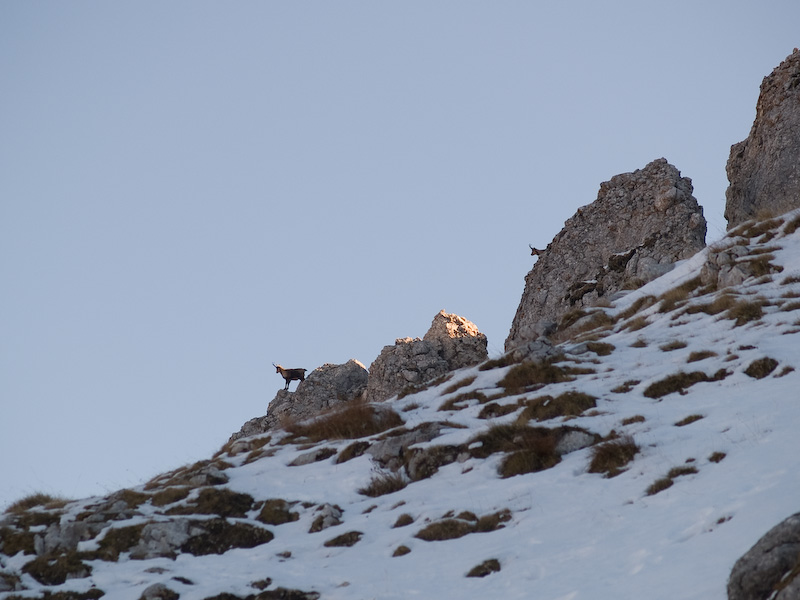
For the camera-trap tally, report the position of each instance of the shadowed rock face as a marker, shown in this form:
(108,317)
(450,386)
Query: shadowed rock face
(764,169)
(640,224)
(770,566)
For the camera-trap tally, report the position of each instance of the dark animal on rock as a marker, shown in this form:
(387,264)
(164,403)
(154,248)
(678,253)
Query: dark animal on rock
(290,374)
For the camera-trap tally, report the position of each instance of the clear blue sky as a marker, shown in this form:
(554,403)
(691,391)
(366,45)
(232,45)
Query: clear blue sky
(190,191)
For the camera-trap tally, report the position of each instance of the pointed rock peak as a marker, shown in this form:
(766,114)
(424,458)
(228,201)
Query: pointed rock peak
(764,169)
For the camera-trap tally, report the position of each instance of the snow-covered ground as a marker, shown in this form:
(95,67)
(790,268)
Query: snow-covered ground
(571,534)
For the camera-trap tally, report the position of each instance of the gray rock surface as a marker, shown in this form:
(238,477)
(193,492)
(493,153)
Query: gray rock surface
(326,387)
(640,224)
(451,343)
(772,564)
(764,169)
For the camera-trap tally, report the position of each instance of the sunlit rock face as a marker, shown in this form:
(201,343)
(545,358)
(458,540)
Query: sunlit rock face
(640,224)
(451,343)
(764,169)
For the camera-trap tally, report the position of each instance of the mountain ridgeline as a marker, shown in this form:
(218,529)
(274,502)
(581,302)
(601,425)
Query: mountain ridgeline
(637,439)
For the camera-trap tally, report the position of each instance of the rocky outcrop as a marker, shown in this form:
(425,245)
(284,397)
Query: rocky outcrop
(451,343)
(326,387)
(764,169)
(640,224)
(771,568)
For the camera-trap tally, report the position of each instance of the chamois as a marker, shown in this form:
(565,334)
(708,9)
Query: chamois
(290,374)
(535,252)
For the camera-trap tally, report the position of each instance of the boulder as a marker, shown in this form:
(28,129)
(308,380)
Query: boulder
(640,224)
(764,169)
(451,343)
(326,387)
(771,568)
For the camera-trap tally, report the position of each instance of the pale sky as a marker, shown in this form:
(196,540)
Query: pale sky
(190,191)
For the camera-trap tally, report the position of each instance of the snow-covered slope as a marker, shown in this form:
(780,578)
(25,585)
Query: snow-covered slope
(723,447)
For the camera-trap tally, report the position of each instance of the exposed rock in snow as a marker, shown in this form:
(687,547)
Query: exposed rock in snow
(326,387)
(451,343)
(772,564)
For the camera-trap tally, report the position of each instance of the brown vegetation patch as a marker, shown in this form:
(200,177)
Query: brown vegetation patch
(673,345)
(688,420)
(487,567)
(633,419)
(401,551)
(44,500)
(600,348)
(680,382)
(118,540)
(219,536)
(665,482)
(717,457)
(672,298)
(626,386)
(700,355)
(495,363)
(528,374)
(450,529)
(568,404)
(639,304)
(610,457)
(462,400)
(55,570)
(352,451)
(758,369)
(216,501)
(170,495)
(494,410)
(277,512)
(356,420)
(403,520)
(746,311)
(384,483)
(351,538)
(458,385)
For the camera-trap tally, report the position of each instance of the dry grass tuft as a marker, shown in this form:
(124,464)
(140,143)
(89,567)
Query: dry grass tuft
(611,457)
(673,345)
(600,348)
(355,420)
(568,404)
(626,386)
(527,374)
(688,420)
(384,483)
(679,382)
(39,499)
(458,385)
(758,369)
(639,304)
(700,355)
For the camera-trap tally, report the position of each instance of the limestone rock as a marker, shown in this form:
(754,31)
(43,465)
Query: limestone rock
(764,568)
(451,343)
(640,224)
(764,169)
(159,591)
(326,387)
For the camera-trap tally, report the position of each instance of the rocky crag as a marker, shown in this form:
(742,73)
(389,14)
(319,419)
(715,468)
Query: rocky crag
(451,343)
(640,224)
(764,169)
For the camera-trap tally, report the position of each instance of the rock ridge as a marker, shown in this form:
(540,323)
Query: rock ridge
(764,169)
(640,224)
